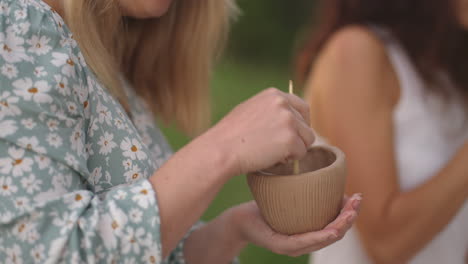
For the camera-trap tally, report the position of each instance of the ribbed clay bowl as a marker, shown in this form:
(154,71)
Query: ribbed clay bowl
(305,202)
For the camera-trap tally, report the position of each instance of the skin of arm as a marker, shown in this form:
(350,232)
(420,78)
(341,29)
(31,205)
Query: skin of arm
(246,140)
(353,91)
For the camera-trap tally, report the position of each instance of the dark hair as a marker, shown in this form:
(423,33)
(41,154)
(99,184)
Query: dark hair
(428,29)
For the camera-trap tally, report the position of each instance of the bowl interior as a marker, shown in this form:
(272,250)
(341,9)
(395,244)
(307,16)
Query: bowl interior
(317,158)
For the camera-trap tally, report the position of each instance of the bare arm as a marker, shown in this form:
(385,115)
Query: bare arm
(353,91)
(229,233)
(248,139)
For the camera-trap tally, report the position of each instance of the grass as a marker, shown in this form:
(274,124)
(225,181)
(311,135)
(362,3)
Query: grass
(233,83)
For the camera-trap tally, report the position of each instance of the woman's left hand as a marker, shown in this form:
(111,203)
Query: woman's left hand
(253,229)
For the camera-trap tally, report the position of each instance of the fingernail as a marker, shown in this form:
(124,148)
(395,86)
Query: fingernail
(356,204)
(357,196)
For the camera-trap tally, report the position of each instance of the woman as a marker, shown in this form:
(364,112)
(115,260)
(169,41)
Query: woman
(387,82)
(83,170)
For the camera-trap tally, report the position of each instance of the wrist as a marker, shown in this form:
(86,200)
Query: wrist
(220,154)
(233,229)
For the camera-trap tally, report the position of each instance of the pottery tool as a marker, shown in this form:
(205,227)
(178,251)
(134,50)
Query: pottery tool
(296,162)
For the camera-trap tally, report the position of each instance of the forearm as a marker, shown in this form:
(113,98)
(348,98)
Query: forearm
(216,242)
(412,219)
(185,186)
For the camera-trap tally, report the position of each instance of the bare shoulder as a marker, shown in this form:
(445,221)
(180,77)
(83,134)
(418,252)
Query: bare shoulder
(356,45)
(355,61)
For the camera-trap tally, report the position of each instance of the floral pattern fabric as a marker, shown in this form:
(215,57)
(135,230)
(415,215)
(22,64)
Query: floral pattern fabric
(73,165)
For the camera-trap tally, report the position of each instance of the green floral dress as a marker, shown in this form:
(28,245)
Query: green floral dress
(73,165)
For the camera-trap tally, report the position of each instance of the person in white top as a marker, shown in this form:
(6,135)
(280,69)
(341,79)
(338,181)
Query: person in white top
(388,83)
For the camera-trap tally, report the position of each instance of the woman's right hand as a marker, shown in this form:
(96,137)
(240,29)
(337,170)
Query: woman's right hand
(269,128)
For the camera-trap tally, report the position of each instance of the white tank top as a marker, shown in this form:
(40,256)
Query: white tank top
(428,133)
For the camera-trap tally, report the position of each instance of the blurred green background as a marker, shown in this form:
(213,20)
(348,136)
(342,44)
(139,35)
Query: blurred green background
(258,56)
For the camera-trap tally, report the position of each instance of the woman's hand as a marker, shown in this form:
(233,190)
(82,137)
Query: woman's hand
(269,128)
(252,228)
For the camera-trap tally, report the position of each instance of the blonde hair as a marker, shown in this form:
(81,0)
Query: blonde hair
(167,60)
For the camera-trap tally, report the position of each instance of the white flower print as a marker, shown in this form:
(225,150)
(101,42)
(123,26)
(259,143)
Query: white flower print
(31,143)
(112,225)
(134,174)
(135,215)
(71,160)
(6,217)
(35,91)
(37,253)
(62,181)
(106,143)
(17,164)
(21,28)
(67,40)
(8,105)
(89,185)
(86,243)
(93,128)
(119,123)
(8,127)
(4,8)
(77,140)
(39,45)
(62,85)
(7,187)
(10,71)
(83,93)
(72,108)
(96,175)
(120,195)
(57,248)
(31,184)
(20,14)
(22,204)
(52,124)
(42,161)
(127,164)
(132,240)
(143,195)
(28,123)
(14,255)
(26,230)
(66,62)
(152,255)
(89,149)
(66,222)
(40,72)
(104,114)
(11,48)
(54,140)
(132,149)
(77,200)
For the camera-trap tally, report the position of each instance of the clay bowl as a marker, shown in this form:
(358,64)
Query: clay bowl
(305,202)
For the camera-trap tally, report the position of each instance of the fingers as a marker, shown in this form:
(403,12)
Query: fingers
(340,226)
(291,245)
(347,216)
(304,130)
(301,244)
(353,203)
(300,106)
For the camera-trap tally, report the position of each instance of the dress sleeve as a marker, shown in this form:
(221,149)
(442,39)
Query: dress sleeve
(49,213)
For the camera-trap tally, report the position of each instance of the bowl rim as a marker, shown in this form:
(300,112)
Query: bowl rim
(340,159)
